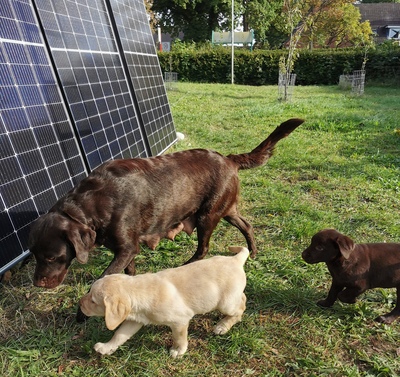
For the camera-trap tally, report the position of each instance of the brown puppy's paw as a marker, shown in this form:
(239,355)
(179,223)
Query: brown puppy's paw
(347,299)
(324,303)
(385,319)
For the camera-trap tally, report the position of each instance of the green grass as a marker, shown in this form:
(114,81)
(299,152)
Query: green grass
(340,169)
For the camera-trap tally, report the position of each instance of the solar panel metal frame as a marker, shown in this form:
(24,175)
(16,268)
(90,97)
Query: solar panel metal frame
(71,97)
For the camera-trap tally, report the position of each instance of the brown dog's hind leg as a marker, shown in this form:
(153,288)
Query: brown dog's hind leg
(390,317)
(246,229)
(205,227)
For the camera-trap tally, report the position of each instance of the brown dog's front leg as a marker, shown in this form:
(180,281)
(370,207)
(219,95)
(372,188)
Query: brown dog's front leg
(332,296)
(130,268)
(390,317)
(199,254)
(124,260)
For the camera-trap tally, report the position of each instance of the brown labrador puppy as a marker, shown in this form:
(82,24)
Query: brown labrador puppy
(126,202)
(356,267)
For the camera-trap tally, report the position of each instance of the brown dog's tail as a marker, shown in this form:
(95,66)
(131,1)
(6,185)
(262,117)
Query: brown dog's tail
(259,155)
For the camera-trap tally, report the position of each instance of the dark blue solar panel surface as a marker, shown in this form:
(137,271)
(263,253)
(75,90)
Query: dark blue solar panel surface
(145,73)
(70,99)
(39,156)
(84,48)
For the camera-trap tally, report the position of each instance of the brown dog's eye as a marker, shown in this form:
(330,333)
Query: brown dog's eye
(319,248)
(50,260)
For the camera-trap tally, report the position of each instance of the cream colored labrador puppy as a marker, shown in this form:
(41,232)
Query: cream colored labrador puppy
(170,297)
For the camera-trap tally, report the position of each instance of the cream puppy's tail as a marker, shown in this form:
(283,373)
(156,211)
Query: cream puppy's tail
(242,253)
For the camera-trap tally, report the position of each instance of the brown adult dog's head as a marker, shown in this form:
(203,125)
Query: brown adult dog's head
(327,245)
(55,240)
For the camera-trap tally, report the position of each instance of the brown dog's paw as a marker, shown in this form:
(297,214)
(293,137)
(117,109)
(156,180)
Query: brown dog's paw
(385,319)
(347,299)
(324,303)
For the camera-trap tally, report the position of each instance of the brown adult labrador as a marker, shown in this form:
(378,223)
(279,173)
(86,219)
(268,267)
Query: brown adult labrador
(124,203)
(356,267)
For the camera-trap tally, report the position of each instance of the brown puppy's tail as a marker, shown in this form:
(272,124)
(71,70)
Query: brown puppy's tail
(259,155)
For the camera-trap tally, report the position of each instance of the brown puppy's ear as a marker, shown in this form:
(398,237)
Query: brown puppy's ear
(116,312)
(346,245)
(83,239)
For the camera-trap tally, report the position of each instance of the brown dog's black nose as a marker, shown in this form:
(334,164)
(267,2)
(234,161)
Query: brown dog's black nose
(306,255)
(40,282)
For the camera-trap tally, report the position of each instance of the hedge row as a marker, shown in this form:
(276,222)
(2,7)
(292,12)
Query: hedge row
(318,67)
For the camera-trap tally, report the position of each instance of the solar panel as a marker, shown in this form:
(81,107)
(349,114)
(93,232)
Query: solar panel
(84,48)
(80,84)
(39,156)
(140,55)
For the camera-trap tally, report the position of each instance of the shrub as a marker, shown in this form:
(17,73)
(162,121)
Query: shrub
(212,64)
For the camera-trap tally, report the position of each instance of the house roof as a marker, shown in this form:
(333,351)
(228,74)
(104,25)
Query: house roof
(380,14)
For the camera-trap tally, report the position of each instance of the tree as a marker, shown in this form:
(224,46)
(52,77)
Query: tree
(293,14)
(259,15)
(334,23)
(151,15)
(197,19)
(341,27)
(323,23)
(380,1)
(330,22)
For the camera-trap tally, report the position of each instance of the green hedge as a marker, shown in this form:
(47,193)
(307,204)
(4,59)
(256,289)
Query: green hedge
(318,67)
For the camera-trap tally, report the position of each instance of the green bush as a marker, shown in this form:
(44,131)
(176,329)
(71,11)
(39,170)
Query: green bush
(208,64)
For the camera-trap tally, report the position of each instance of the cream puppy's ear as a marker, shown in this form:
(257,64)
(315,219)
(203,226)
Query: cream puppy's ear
(116,311)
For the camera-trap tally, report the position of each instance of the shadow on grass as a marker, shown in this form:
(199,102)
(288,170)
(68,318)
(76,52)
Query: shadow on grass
(296,301)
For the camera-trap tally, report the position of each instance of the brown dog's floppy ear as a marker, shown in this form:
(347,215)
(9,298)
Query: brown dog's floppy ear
(346,245)
(83,239)
(79,234)
(116,312)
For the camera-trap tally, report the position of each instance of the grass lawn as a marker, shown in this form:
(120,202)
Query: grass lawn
(340,169)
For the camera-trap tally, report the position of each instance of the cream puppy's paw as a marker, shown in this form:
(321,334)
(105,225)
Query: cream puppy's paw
(220,329)
(104,348)
(177,352)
